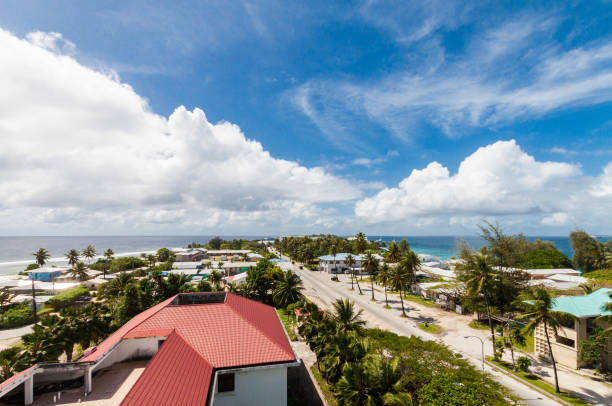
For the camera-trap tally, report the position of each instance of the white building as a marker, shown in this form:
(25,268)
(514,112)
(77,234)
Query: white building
(337,263)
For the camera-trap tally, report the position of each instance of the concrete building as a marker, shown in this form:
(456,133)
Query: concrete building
(544,273)
(566,344)
(337,263)
(233,268)
(203,348)
(190,255)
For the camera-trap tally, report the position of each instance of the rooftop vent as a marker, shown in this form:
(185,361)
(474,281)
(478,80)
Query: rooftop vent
(198,298)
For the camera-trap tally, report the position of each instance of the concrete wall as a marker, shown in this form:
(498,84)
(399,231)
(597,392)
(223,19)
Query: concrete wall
(257,387)
(132,348)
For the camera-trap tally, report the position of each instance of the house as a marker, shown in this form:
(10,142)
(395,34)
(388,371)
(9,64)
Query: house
(566,344)
(211,348)
(337,263)
(544,273)
(46,274)
(190,255)
(233,268)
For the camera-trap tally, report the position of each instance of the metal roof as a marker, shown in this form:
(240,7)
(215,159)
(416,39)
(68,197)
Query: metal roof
(590,305)
(341,256)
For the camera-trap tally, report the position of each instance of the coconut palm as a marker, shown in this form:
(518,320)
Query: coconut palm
(346,316)
(371,267)
(215,278)
(79,271)
(399,280)
(72,256)
(538,305)
(333,251)
(41,256)
(109,254)
(478,277)
(393,253)
(350,262)
(384,278)
(411,263)
(340,348)
(288,289)
(89,252)
(514,335)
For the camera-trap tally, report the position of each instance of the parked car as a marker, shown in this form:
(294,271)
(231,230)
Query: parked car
(334,278)
(84,298)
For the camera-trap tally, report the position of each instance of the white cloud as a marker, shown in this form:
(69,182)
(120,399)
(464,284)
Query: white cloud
(52,41)
(556,219)
(367,162)
(82,148)
(499,179)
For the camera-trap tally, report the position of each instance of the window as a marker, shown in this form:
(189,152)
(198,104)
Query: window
(225,383)
(565,341)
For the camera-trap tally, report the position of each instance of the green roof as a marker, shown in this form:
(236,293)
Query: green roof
(590,305)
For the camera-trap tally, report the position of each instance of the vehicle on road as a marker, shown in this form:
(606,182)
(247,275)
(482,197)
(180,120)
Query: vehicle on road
(334,278)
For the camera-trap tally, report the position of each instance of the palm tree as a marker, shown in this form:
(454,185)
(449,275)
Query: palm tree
(288,289)
(108,254)
(346,316)
(72,256)
(333,250)
(514,334)
(42,255)
(215,279)
(89,252)
(393,253)
(350,262)
(399,280)
(384,277)
(79,271)
(6,296)
(538,304)
(371,266)
(478,277)
(411,263)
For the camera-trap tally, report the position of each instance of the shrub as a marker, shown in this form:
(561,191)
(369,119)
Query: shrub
(67,298)
(45,312)
(29,268)
(523,364)
(17,316)
(544,259)
(125,263)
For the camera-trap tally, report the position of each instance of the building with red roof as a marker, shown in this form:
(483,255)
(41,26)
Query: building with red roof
(204,348)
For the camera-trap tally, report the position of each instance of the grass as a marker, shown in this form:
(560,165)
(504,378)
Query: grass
(325,388)
(535,380)
(431,328)
(288,323)
(528,347)
(477,325)
(418,299)
(603,275)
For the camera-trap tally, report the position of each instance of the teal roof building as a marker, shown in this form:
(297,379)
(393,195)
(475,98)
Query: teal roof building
(591,305)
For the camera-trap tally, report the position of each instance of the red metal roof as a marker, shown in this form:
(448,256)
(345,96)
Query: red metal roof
(177,375)
(17,376)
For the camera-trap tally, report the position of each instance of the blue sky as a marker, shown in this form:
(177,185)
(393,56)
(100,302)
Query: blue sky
(366,92)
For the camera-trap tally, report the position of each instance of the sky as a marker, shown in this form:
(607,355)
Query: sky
(272,117)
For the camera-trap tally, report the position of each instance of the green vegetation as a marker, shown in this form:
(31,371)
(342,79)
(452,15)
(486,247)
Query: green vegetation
(217,243)
(68,297)
(544,259)
(535,380)
(16,316)
(590,254)
(352,367)
(478,325)
(289,322)
(418,299)
(431,328)
(602,275)
(45,312)
(306,249)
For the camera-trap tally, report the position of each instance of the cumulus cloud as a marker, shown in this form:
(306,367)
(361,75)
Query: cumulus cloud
(498,179)
(81,146)
(52,41)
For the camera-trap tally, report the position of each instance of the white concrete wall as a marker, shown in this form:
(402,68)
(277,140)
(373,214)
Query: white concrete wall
(131,348)
(256,387)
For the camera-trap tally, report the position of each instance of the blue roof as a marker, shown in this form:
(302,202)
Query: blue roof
(590,305)
(341,256)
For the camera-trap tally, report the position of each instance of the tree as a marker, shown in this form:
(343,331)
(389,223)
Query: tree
(333,251)
(384,278)
(79,271)
(478,276)
(371,267)
(215,243)
(130,305)
(514,335)
(9,362)
(204,286)
(346,316)
(593,348)
(89,252)
(399,281)
(164,255)
(393,253)
(6,296)
(288,289)
(361,242)
(403,247)
(72,256)
(538,305)
(41,256)
(215,278)
(350,262)
(108,254)
(587,251)
(411,263)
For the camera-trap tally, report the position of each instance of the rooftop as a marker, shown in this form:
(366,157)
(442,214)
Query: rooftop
(341,256)
(590,305)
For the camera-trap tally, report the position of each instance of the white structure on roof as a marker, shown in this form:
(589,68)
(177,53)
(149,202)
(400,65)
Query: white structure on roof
(187,265)
(544,273)
(445,274)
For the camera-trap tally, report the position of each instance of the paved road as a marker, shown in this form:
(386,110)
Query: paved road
(320,289)
(15,332)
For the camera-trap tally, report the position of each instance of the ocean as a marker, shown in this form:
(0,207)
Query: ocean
(16,252)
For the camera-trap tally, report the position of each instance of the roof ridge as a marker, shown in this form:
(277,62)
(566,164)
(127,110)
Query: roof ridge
(274,340)
(153,313)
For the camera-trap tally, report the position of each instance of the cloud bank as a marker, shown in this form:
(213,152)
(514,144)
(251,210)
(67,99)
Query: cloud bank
(80,147)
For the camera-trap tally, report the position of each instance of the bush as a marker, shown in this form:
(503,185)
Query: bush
(17,316)
(29,268)
(44,312)
(544,259)
(67,298)
(125,263)
(523,364)
(603,275)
